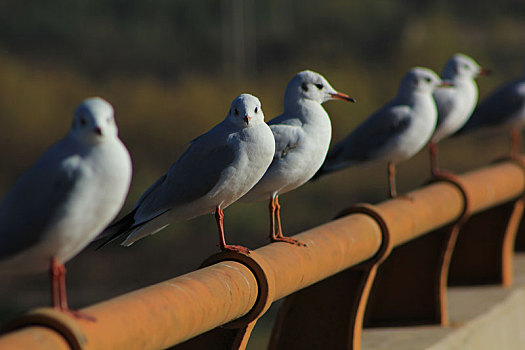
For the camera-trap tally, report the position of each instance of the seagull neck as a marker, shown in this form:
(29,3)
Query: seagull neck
(304,109)
(413,96)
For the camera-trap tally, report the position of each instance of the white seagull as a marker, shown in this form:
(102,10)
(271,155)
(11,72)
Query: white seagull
(456,102)
(218,168)
(503,109)
(395,132)
(302,137)
(66,199)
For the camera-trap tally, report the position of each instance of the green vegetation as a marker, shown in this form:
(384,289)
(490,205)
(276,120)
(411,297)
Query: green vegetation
(171,69)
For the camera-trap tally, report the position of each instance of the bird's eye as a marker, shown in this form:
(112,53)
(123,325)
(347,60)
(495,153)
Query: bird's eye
(256,110)
(319,86)
(304,86)
(428,80)
(465,66)
(236,111)
(83,121)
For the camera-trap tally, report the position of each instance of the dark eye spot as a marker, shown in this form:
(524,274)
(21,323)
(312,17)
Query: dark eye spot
(83,121)
(304,87)
(428,80)
(256,110)
(319,86)
(236,111)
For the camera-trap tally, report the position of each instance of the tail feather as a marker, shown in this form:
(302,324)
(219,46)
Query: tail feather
(117,229)
(328,162)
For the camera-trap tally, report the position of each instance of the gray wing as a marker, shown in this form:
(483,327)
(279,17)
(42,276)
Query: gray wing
(36,201)
(287,138)
(497,108)
(369,138)
(192,176)
(444,98)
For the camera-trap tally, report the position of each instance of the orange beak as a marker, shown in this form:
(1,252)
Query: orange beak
(247,119)
(446,84)
(343,97)
(485,72)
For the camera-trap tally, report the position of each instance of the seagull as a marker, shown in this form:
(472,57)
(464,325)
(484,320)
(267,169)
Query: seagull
(503,109)
(66,199)
(302,137)
(395,132)
(218,168)
(456,102)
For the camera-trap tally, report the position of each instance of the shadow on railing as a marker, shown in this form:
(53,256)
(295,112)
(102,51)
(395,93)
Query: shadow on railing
(373,266)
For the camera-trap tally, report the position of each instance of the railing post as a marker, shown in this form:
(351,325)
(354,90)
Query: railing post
(519,241)
(329,314)
(484,248)
(520,236)
(410,286)
(485,245)
(235,335)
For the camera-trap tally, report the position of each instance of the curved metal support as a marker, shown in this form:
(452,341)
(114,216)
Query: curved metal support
(235,335)
(329,314)
(52,319)
(485,244)
(410,286)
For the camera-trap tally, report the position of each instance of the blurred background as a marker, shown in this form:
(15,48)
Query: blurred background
(171,70)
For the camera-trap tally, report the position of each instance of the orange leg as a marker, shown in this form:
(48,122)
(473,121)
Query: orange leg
(219,217)
(434,164)
(516,142)
(56,270)
(276,233)
(392,189)
(58,291)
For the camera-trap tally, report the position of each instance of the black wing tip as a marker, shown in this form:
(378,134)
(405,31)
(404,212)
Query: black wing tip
(122,226)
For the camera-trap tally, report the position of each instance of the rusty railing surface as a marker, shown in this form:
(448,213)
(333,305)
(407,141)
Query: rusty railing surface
(375,265)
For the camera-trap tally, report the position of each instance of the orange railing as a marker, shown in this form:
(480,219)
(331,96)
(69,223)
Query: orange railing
(382,265)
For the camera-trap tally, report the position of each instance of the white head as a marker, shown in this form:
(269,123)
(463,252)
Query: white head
(462,66)
(418,79)
(308,85)
(94,121)
(246,111)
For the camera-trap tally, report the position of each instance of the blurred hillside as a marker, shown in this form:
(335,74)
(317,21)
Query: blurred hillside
(172,68)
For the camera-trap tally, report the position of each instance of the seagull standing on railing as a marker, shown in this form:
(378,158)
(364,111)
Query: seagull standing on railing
(67,198)
(218,168)
(394,133)
(302,137)
(503,109)
(454,103)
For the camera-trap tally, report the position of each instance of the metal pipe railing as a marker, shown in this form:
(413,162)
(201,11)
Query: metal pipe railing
(173,311)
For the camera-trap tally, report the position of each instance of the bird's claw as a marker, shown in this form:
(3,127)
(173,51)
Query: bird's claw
(405,197)
(78,314)
(236,249)
(287,240)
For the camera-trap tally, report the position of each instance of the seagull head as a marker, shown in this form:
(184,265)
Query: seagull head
(309,85)
(246,111)
(94,121)
(462,66)
(419,79)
